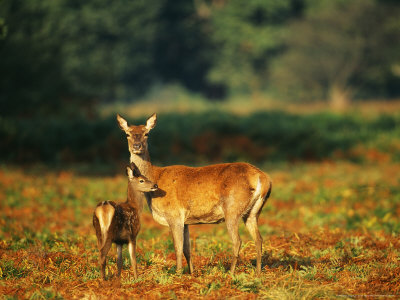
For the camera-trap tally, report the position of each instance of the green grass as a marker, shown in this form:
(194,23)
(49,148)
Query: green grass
(329,229)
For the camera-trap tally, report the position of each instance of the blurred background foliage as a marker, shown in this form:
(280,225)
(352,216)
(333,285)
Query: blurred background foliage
(63,61)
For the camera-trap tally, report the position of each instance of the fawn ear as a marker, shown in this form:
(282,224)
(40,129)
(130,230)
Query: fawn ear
(151,122)
(134,169)
(129,172)
(123,124)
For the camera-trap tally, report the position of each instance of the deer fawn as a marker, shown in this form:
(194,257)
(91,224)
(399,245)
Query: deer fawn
(119,223)
(204,195)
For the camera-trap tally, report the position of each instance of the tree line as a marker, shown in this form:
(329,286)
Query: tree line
(200,138)
(56,56)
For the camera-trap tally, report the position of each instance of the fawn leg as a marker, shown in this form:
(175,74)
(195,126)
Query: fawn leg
(132,253)
(119,259)
(103,255)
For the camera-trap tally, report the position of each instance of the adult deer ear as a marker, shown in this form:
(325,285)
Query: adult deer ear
(123,124)
(151,122)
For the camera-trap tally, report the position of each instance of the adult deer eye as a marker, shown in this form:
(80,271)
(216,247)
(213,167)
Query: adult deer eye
(141,180)
(146,134)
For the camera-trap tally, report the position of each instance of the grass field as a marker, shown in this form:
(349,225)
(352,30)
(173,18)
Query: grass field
(330,229)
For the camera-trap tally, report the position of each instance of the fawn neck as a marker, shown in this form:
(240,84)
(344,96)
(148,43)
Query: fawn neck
(145,167)
(135,198)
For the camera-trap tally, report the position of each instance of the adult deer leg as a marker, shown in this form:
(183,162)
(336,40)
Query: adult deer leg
(233,230)
(252,227)
(177,235)
(186,248)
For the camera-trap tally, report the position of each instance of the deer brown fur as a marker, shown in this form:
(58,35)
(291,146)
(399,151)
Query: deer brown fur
(203,195)
(120,223)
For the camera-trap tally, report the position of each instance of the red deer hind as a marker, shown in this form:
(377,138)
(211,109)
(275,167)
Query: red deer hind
(203,195)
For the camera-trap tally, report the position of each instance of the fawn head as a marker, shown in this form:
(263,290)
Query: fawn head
(138,181)
(137,135)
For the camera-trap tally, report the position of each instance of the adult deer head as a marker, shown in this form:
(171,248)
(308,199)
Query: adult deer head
(137,135)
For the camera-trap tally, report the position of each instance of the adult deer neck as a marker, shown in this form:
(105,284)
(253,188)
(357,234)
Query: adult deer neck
(142,162)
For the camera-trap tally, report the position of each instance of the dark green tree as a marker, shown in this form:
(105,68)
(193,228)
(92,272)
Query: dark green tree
(62,54)
(3,28)
(248,36)
(340,48)
(184,51)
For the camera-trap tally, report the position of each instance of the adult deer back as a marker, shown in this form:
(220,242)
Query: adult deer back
(205,195)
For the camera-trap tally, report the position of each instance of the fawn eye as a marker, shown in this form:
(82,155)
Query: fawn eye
(141,180)
(146,134)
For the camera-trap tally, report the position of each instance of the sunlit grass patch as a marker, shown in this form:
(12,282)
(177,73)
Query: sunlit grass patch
(329,229)
(297,289)
(9,270)
(45,293)
(246,283)
(208,288)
